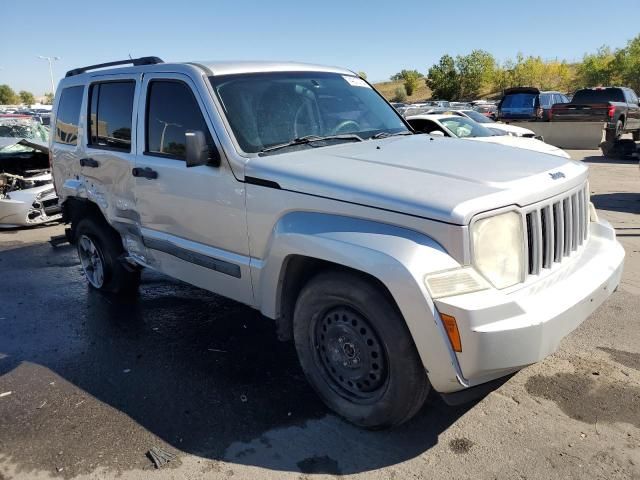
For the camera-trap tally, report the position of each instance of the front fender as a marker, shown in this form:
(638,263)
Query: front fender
(397,257)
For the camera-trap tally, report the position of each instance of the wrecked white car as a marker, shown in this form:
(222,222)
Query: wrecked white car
(27,196)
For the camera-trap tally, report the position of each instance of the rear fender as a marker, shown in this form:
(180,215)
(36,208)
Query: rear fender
(397,257)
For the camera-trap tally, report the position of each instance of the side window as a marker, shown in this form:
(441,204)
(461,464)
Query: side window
(545,100)
(110,110)
(68,115)
(172,110)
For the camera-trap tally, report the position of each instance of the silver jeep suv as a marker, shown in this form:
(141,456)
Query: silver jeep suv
(397,262)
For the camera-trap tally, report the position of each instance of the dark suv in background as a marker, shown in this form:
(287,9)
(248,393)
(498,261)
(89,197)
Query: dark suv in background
(528,103)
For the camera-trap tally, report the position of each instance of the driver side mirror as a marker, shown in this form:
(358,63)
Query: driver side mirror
(436,133)
(198,151)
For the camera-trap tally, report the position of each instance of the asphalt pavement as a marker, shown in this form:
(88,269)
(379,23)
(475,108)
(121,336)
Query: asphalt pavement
(89,384)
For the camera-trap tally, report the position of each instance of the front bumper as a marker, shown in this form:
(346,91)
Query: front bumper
(29,207)
(503,332)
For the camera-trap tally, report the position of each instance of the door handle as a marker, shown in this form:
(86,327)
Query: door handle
(89,162)
(145,172)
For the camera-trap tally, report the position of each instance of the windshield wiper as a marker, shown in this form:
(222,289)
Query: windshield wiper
(308,139)
(388,134)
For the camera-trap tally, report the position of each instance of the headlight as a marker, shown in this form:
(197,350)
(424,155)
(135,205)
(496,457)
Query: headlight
(498,249)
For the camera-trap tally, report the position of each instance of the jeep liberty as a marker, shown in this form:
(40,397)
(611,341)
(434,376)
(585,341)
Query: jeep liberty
(397,262)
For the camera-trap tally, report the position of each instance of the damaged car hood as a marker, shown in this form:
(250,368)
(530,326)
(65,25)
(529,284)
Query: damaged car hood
(434,178)
(7,142)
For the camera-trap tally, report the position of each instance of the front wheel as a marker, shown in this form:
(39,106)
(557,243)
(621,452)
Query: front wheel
(357,352)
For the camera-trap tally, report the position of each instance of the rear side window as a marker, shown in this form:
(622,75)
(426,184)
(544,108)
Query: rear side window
(519,100)
(110,111)
(546,99)
(600,95)
(68,115)
(172,110)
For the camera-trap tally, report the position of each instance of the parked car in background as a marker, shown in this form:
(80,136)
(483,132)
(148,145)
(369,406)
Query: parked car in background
(617,106)
(457,126)
(27,196)
(528,103)
(487,122)
(488,110)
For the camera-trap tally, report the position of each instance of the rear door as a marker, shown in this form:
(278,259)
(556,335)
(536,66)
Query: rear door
(109,153)
(193,219)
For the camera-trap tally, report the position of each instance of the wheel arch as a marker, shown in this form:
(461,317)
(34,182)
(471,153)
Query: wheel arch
(75,209)
(394,258)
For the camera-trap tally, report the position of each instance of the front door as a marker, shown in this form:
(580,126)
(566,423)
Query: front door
(192,219)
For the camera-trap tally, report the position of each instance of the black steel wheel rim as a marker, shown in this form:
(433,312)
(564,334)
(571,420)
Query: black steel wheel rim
(350,354)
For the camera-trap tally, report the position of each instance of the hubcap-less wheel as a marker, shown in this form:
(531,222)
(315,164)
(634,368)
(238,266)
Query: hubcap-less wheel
(350,354)
(91,260)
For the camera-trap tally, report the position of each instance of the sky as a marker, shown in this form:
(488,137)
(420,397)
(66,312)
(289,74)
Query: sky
(379,38)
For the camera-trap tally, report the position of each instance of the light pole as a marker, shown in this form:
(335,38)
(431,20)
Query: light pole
(164,129)
(50,60)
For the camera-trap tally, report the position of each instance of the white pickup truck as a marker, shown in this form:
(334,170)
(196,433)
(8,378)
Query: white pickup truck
(397,262)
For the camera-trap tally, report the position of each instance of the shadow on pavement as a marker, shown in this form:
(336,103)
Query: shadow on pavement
(200,374)
(627,202)
(611,161)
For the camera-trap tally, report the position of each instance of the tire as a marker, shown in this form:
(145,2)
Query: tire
(99,247)
(357,352)
(613,135)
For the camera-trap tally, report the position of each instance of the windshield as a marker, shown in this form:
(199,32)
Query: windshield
(267,109)
(602,95)
(463,127)
(477,116)
(23,128)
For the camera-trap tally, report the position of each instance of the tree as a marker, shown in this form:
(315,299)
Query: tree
(597,68)
(7,95)
(402,75)
(411,82)
(400,95)
(443,79)
(474,71)
(627,64)
(48,98)
(27,97)
(362,75)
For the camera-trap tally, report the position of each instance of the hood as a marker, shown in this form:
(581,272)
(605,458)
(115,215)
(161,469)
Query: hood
(510,128)
(6,143)
(520,142)
(443,179)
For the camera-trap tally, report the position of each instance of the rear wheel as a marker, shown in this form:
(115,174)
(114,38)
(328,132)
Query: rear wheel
(614,134)
(99,247)
(357,352)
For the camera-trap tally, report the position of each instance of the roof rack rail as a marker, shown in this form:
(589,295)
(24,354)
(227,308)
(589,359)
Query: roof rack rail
(133,61)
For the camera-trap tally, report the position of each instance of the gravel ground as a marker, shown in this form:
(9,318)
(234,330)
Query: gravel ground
(95,383)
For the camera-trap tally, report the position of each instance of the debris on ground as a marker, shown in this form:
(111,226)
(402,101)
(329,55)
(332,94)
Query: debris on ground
(216,350)
(160,457)
(5,394)
(243,398)
(126,370)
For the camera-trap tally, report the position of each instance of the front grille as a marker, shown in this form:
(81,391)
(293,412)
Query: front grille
(556,229)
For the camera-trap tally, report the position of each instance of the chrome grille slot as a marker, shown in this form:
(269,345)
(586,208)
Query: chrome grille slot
(555,230)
